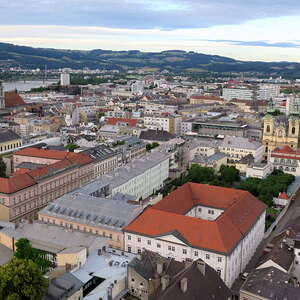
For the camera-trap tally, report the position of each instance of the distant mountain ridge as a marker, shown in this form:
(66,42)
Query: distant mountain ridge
(173,60)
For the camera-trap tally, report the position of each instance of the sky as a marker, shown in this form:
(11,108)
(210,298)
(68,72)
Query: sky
(242,29)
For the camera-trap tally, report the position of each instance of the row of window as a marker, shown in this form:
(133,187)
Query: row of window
(10,146)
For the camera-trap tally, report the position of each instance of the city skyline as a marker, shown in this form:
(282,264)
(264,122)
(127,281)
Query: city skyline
(245,31)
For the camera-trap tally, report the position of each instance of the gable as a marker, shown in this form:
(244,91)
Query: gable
(172,239)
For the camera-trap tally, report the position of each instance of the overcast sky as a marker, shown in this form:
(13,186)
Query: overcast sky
(243,29)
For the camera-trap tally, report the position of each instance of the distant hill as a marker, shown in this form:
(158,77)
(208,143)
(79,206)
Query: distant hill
(174,60)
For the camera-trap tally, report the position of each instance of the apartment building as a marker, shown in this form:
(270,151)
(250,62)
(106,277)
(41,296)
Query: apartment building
(55,174)
(170,123)
(239,147)
(194,222)
(237,93)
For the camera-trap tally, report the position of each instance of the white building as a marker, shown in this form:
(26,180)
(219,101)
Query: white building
(237,93)
(170,123)
(186,127)
(239,147)
(221,226)
(65,79)
(268,91)
(137,88)
(259,170)
(140,178)
(286,159)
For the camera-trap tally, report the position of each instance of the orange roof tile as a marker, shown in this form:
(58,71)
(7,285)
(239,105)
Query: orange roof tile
(43,153)
(241,211)
(115,121)
(16,183)
(12,99)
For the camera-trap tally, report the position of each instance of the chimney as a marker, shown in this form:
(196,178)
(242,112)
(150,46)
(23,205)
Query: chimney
(159,267)
(165,281)
(201,266)
(184,284)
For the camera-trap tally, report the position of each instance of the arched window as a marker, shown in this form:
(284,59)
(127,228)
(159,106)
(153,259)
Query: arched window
(293,130)
(268,128)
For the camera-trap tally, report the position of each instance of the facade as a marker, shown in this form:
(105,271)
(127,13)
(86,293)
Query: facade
(9,140)
(281,131)
(206,100)
(170,123)
(237,93)
(238,147)
(286,159)
(23,195)
(259,170)
(194,221)
(139,179)
(154,277)
(214,161)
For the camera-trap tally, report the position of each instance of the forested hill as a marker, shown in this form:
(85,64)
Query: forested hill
(174,60)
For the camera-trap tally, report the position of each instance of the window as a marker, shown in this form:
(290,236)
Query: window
(169,248)
(139,251)
(219,272)
(196,253)
(293,130)
(211,212)
(158,245)
(132,279)
(149,242)
(129,249)
(219,259)
(139,240)
(207,256)
(268,128)
(184,251)
(199,209)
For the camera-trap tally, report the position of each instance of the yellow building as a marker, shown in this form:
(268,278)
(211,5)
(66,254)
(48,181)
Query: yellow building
(9,140)
(280,130)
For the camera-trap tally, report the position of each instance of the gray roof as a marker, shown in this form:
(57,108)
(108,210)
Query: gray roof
(51,238)
(30,165)
(94,211)
(209,159)
(240,143)
(204,142)
(63,287)
(8,135)
(156,135)
(5,255)
(271,283)
(100,152)
(124,174)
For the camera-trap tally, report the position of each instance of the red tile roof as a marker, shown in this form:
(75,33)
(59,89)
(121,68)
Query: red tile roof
(116,121)
(13,99)
(283,196)
(210,98)
(16,183)
(241,211)
(44,153)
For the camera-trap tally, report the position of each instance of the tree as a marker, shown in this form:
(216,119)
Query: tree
(229,174)
(21,279)
(200,174)
(26,251)
(2,168)
(71,147)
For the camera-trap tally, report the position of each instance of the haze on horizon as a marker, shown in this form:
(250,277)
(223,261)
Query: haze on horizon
(247,30)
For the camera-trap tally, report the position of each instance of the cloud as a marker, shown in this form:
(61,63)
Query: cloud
(259,43)
(142,14)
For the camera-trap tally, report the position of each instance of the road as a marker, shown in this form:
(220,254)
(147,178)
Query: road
(292,213)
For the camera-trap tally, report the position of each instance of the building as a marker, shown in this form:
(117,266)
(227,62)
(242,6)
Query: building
(159,136)
(137,88)
(205,100)
(238,147)
(280,130)
(9,141)
(154,277)
(65,79)
(2,102)
(13,99)
(214,161)
(215,128)
(259,170)
(23,195)
(268,91)
(268,284)
(194,221)
(286,159)
(140,178)
(102,217)
(105,159)
(237,93)
(283,199)
(169,123)
(63,246)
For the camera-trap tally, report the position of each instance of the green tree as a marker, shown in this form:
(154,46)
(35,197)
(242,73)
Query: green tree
(26,251)
(2,168)
(229,174)
(72,147)
(200,174)
(21,279)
